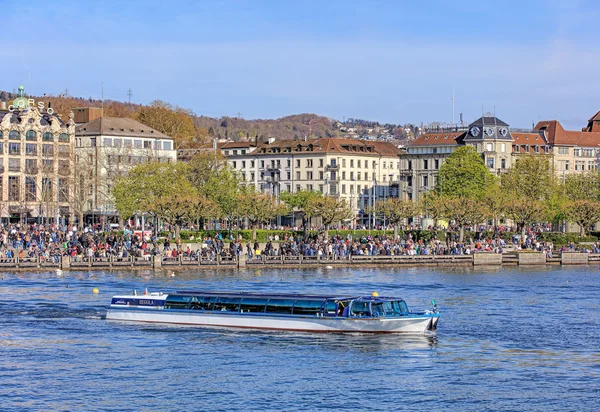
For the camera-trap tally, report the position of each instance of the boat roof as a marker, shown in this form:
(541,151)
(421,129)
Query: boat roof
(235,294)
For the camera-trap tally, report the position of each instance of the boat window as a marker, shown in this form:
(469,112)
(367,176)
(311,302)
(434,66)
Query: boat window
(280,306)
(254,305)
(202,303)
(177,302)
(227,304)
(330,308)
(403,306)
(307,307)
(377,309)
(360,309)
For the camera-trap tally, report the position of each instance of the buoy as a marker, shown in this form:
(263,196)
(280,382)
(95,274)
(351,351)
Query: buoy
(374,294)
(95,291)
(328,267)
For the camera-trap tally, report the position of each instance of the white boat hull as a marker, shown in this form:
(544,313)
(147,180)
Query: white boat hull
(404,324)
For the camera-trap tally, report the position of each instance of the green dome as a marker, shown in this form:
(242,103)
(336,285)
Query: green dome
(21,102)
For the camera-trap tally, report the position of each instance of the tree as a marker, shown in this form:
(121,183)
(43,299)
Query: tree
(170,120)
(464,211)
(330,209)
(259,208)
(530,190)
(583,212)
(216,180)
(396,210)
(463,174)
(582,186)
(161,189)
(297,201)
(582,192)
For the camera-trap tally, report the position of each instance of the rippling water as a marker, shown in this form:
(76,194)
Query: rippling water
(508,339)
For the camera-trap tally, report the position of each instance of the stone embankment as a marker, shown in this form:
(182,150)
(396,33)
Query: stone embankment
(181,262)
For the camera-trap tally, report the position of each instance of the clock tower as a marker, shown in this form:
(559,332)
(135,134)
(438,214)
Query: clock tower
(491,137)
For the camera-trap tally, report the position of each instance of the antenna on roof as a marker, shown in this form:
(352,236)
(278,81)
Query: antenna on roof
(452,107)
(129,94)
(102,105)
(482,117)
(495,122)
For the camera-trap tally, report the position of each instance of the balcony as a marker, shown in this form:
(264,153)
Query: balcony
(333,167)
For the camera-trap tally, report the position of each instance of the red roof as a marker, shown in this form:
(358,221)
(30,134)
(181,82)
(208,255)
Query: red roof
(438,139)
(557,135)
(530,139)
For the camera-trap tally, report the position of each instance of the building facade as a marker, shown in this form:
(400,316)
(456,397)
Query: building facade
(361,172)
(107,148)
(36,171)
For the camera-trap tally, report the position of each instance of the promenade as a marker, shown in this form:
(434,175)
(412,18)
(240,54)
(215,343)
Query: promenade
(157,262)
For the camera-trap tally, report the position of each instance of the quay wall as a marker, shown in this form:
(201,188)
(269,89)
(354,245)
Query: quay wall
(178,263)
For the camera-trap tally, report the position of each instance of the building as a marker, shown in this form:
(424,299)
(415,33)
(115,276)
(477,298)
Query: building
(36,152)
(225,148)
(107,148)
(574,151)
(361,172)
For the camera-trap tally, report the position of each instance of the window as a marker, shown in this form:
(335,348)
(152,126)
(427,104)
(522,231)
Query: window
(48,165)
(344,175)
(333,189)
(577,152)
(31,135)
(297,188)
(289,176)
(343,162)
(358,163)
(288,188)
(490,162)
(297,175)
(297,162)
(321,188)
(503,147)
(262,163)
(137,144)
(251,163)
(351,175)
(503,163)
(309,163)
(147,144)
(243,164)
(14,165)
(351,162)
(14,148)
(374,164)
(436,164)
(63,137)
(567,165)
(47,150)
(63,150)
(409,165)
(30,189)
(309,175)
(234,164)
(320,175)
(425,164)
(126,142)
(321,162)
(63,190)
(384,165)
(14,188)
(425,181)
(358,176)
(166,145)
(14,135)
(31,149)
(288,163)
(489,147)
(31,166)
(252,175)
(343,189)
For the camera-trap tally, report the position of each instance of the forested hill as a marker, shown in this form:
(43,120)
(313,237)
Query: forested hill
(191,130)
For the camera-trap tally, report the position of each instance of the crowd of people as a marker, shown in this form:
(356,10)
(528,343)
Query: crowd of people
(51,242)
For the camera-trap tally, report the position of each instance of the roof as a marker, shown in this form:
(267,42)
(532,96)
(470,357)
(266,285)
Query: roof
(329,145)
(488,121)
(438,139)
(235,145)
(531,139)
(118,126)
(45,118)
(557,135)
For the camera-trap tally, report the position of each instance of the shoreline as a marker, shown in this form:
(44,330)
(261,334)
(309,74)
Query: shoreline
(66,263)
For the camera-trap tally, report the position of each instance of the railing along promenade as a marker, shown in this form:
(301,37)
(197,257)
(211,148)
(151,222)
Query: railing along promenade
(158,262)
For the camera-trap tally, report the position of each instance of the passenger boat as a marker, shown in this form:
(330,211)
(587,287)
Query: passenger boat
(288,312)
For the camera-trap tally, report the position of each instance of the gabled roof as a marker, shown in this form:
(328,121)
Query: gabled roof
(118,126)
(530,139)
(438,139)
(488,121)
(329,145)
(557,135)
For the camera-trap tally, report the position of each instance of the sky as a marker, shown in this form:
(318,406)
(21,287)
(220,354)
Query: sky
(391,61)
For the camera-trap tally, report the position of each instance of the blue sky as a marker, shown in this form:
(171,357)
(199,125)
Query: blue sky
(391,61)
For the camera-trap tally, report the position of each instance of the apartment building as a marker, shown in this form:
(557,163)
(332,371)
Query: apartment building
(361,172)
(36,173)
(106,148)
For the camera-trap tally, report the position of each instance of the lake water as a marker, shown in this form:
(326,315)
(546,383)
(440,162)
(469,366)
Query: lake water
(509,339)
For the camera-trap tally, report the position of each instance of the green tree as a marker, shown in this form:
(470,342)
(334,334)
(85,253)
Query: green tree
(584,212)
(530,190)
(463,211)
(297,201)
(161,189)
(396,210)
(259,208)
(330,209)
(217,181)
(463,174)
(582,186)
(582,192)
